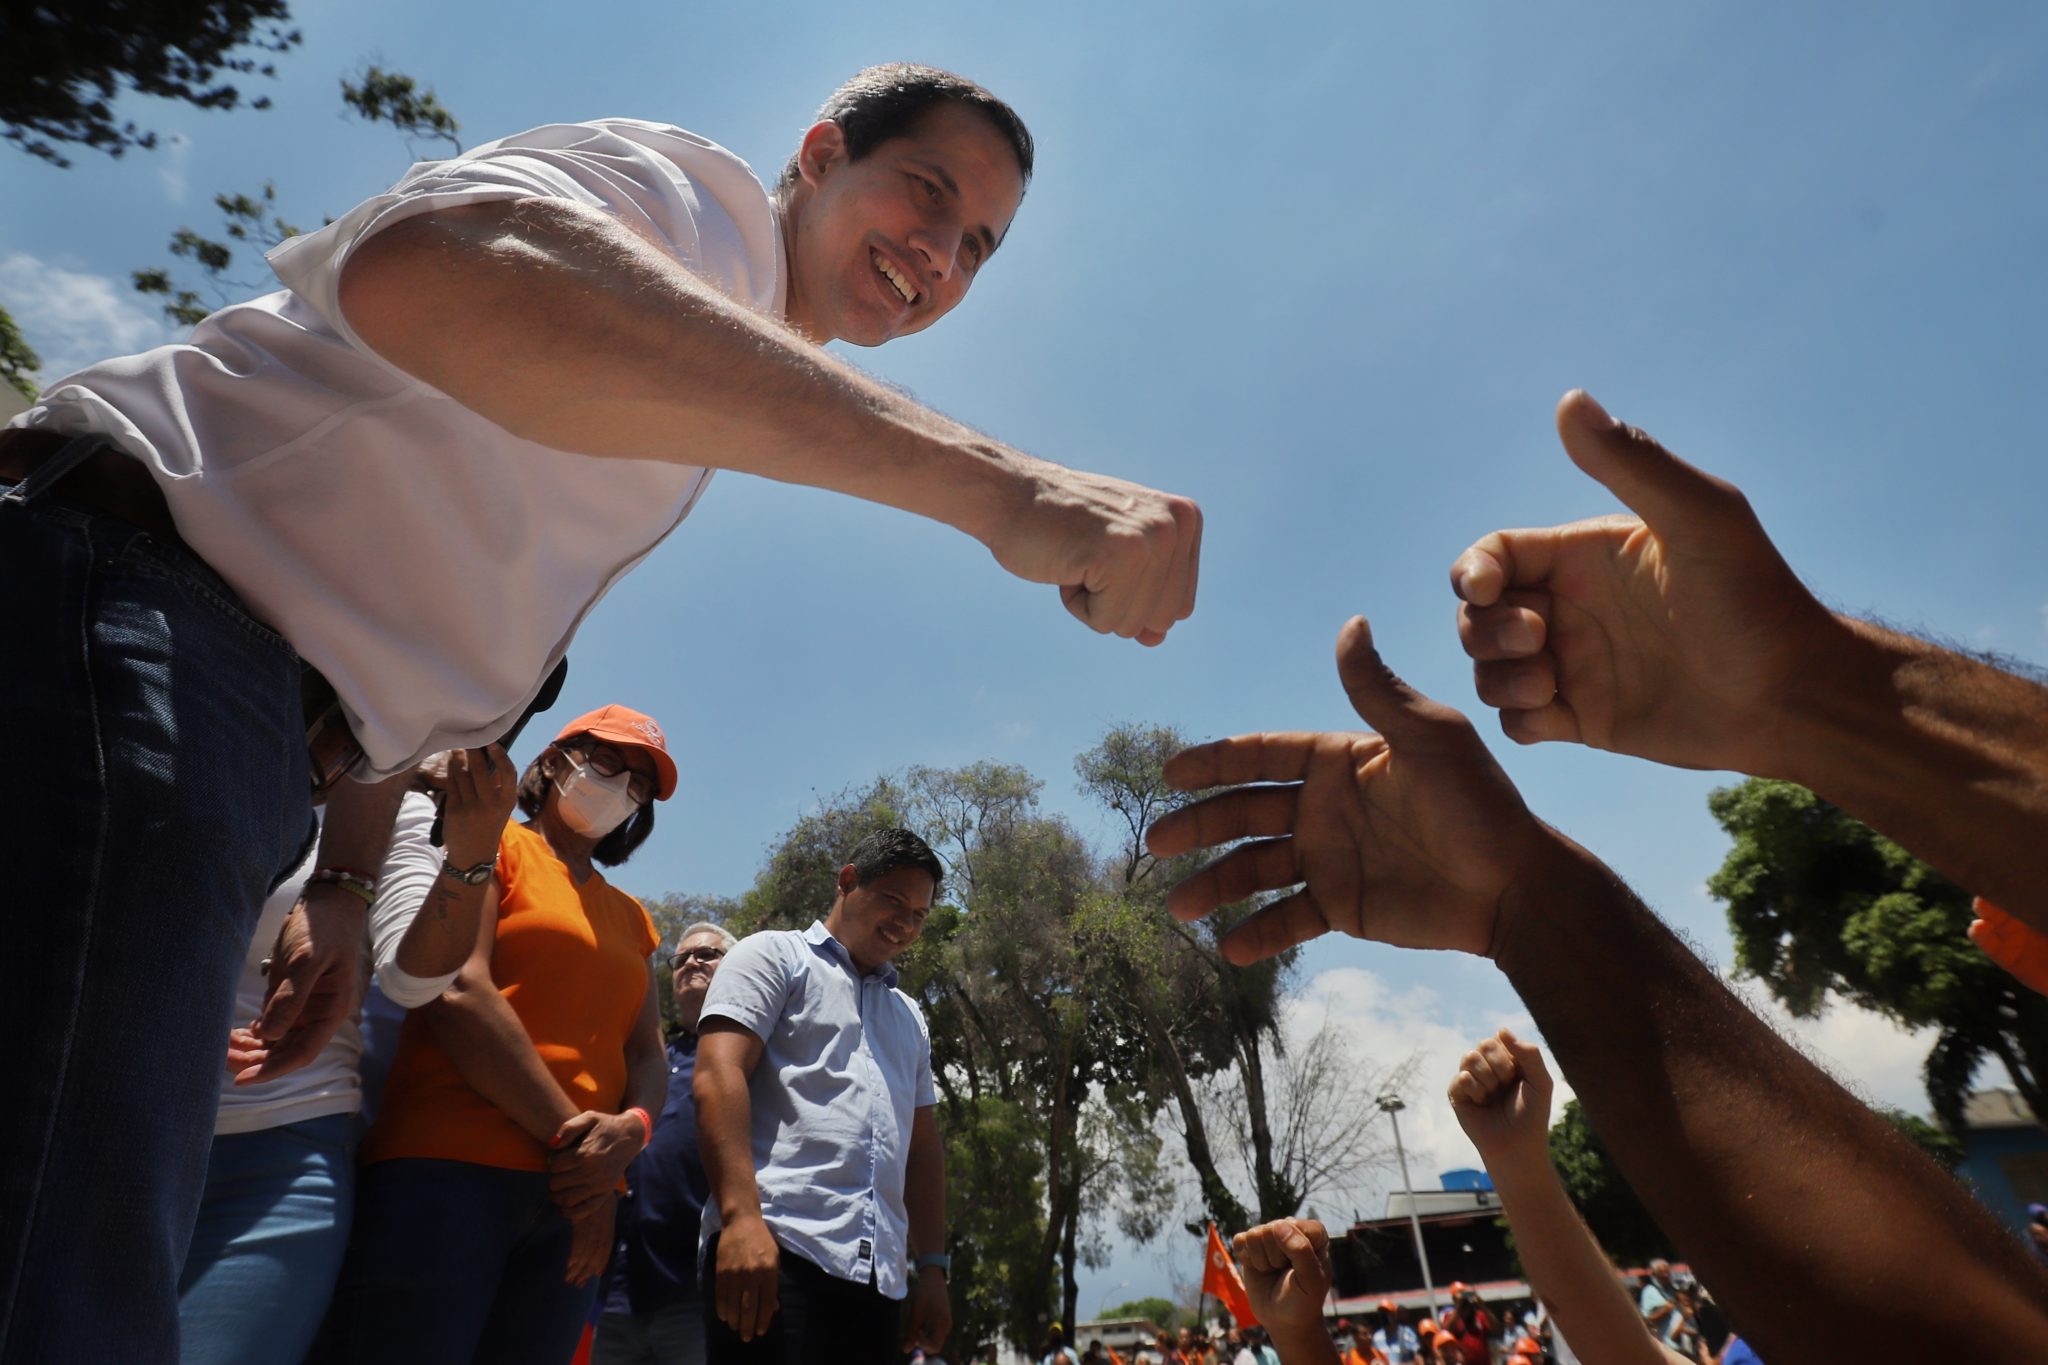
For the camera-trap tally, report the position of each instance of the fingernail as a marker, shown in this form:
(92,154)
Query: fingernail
(1533,691)
(1594,415)
(1516,635)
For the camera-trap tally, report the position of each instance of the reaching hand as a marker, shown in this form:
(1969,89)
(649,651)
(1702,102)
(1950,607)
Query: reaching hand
(1287,1272)
(1673,635)
(589,1156)
(1501,1096)
(2016,946)
(1411,836)
(1125,558)
(479,788)
(590,1244)
(316,981)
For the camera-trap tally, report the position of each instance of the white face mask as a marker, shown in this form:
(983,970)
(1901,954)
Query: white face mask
(591,805)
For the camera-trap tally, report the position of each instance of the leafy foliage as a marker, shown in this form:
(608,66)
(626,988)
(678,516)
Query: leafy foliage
(1821,904)
(392,97)
(18,360)
(62,67)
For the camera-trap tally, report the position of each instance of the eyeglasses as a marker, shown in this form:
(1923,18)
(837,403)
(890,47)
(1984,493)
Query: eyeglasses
(606,761)
(707,956)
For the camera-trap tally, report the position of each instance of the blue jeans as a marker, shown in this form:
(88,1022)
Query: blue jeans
(668,1336)
(452,1261)
(272,1228)
(157,787)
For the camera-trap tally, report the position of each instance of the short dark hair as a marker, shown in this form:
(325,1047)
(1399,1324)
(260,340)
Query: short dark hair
(881,102)
(885,850)
(615,847)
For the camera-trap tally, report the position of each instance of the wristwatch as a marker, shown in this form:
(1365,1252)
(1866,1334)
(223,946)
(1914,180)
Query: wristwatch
(936,1261)
(473,876)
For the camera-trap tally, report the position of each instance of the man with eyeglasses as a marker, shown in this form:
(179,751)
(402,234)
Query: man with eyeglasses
(653,1314)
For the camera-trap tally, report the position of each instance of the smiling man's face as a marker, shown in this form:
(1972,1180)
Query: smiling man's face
(878,921)
(887,245)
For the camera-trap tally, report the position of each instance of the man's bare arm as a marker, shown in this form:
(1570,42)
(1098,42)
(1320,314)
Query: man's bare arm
(316,976)
(563,326)
(1680,634)
(488,1045)
(1764,1171)
(748,1257)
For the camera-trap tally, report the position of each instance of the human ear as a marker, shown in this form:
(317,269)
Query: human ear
(823,147)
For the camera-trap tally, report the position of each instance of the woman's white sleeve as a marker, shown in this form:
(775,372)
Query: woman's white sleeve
(409,872)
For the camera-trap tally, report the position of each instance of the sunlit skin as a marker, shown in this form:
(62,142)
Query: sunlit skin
(933,205)
(691,974)
(878,921)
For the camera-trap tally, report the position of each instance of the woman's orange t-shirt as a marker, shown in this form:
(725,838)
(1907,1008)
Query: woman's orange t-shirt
(572,962)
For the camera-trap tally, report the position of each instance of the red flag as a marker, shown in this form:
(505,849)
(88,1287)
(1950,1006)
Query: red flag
(1220,1277)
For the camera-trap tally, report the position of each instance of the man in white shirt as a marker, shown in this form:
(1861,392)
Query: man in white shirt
(481,399)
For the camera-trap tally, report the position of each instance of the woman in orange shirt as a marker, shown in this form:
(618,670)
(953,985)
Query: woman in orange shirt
(516,1100)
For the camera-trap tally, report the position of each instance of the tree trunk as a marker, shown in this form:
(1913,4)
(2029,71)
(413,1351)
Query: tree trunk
(1221,1204)
(1070,1288)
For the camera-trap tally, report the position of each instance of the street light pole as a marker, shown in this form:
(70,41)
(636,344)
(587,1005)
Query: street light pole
(1391,1106)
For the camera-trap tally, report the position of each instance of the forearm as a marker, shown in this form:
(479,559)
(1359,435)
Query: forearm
(1567,1269)
(443,930)
(493,1055)
(1309,1345)
(600,343)
(725,1123)
(355,833)
(646,1081)
(1944,754)
(924,1199)
(1762,1169)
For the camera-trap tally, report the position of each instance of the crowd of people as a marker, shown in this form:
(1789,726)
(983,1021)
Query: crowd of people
(267,568)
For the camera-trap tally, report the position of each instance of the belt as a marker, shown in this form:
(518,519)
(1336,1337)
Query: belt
(121,487)
(106,481)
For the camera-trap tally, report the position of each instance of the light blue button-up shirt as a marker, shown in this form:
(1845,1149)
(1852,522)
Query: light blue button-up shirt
(846,1062)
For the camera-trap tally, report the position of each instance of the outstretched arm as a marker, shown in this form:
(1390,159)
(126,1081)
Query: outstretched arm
(1763,1169)
(1680,634)
(560,324)
(1501,1096)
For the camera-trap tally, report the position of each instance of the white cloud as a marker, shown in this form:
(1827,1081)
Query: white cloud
(1868,1053)
(72,318)
(1873,1057)
(170,161)
(1389,1024)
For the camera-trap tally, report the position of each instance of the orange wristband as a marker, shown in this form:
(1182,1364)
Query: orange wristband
(646,1122)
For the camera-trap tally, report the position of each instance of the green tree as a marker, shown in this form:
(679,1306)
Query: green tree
(63,67)
(18,360)
(1821,904)
(1159,1312)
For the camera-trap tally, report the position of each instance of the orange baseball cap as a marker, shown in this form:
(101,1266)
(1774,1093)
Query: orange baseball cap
(1528,1348)
(629,729)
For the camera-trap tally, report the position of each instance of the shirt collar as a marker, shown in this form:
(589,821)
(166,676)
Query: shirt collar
(819,937)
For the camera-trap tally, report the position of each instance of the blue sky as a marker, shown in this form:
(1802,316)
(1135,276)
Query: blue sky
(1325,268)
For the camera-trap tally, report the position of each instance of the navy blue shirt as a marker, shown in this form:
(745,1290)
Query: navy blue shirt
(654,1263)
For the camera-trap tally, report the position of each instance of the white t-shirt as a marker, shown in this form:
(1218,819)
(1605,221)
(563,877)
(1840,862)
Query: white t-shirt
(432,565)
(332,1082)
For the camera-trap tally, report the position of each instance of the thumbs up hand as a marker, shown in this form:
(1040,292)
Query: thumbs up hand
(1677,634)
(1411,835)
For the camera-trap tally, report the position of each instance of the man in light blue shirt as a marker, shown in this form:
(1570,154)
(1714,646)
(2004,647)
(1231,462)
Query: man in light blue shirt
(815,1113)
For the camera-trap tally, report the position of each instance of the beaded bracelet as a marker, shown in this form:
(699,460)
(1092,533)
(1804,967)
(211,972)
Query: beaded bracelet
(355,883)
